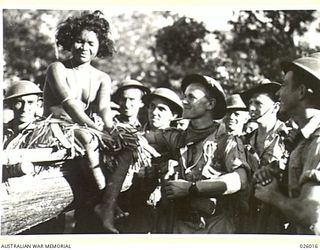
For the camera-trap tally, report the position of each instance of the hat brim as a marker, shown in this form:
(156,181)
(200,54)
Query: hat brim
(18,95)
(116,95)
(237,108)
(221,105)
(272,87)
(287,66)
(147,99)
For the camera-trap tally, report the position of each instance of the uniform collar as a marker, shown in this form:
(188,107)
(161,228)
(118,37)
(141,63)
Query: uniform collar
(193,135)
(10,126)
(313,123)
(136,124)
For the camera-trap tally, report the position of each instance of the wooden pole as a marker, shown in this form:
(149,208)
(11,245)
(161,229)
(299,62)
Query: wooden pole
(27,201)
(15,156)
(30,200)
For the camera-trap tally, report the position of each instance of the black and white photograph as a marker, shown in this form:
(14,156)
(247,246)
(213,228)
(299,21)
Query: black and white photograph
(160,122)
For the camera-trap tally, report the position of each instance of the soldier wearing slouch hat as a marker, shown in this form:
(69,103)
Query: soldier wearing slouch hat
(265,150)
(299,99)
(202,185)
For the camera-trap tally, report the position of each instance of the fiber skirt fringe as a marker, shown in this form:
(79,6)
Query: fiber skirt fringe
(60,134)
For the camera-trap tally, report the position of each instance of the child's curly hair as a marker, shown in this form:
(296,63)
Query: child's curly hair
(73,26)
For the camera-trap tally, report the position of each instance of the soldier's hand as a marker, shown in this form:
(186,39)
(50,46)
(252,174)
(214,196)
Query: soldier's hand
(265,174)
(178,188)
(266,193)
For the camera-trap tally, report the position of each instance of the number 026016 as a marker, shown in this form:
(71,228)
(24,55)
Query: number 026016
(308,246)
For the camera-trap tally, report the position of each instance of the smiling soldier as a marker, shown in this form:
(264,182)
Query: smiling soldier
(202,191)
(300,100)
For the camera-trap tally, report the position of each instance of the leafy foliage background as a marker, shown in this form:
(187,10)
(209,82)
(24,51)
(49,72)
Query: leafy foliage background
(160,47)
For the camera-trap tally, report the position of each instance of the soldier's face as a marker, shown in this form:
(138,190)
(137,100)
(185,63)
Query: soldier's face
(261,106)
(130,102)
(25,108)
(288,95)
(159,114)
(196,101)
(235,119)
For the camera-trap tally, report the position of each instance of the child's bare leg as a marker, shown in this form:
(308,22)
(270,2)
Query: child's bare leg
(106,210)
(90,145)
(95,166)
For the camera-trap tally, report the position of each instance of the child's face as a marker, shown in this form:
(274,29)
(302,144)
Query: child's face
(85,46)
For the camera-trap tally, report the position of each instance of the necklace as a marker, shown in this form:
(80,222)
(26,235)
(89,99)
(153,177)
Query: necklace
(74,70)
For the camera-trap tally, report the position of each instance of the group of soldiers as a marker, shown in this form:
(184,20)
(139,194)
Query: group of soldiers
(246,163)
(157,163)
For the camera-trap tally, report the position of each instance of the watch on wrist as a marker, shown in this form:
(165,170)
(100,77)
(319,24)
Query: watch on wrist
(193,190)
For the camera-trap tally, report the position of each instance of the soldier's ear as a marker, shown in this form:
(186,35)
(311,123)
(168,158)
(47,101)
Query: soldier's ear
(276,107)
(141,105)
(302,91)
(211,103)
(39,102)
(39,107)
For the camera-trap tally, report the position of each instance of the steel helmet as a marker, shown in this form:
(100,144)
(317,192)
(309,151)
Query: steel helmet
(22,88)
(167,94)
(127,84)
